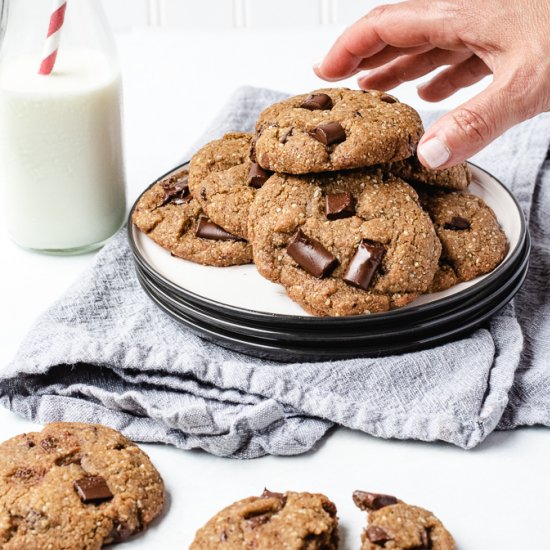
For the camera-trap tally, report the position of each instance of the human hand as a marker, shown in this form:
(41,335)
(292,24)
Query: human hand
(401,42)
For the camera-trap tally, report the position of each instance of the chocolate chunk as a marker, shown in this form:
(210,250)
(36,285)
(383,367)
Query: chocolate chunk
(49,444)
(68,459)
(257,521)
(317,102)
(174,186)
(339,205)
(209,230)
(284,138)
(120,532)
(457,224)
(425,539)
(92,489)
(328,133)
(257,176)
(372,501)
(182,200)
(203,193)
(24,474)
(330,508)
(387,98)
(364,264)
(311,255)
(377,535)
(175,191)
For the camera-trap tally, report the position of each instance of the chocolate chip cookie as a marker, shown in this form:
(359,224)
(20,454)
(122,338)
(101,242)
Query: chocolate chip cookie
(473,242)
(394,525)
(334,129)
(344,243)
(273,521)
(170,216)
(75,487)
(413,171)
(224,180)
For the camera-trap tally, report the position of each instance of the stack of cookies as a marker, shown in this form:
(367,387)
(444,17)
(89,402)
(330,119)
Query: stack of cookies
(328,199)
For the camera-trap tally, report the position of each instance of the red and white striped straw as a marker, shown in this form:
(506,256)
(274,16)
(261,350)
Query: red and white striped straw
(54,34)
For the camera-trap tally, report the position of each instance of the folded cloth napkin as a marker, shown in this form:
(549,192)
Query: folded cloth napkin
(104,353)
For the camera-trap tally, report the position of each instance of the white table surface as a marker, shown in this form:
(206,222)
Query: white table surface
(494,497)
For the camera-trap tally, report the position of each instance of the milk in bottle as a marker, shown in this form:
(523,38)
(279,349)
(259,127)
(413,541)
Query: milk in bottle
(61,159)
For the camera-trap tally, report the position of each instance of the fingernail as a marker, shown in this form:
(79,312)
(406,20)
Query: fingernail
(434,152)
(317,64)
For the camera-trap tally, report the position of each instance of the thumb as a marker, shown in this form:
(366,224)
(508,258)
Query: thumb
(469,128)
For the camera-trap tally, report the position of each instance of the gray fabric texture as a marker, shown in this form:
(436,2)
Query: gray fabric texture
(104,353)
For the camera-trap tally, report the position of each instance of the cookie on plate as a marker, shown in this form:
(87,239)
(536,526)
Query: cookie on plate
(413,171)
(170,216)
(473,243)
(224,180)
(272,521)
(334,129)
(344,243)
(445,277)
(75,487)
(394,525)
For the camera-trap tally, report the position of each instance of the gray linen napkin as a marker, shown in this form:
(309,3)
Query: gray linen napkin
(104,353)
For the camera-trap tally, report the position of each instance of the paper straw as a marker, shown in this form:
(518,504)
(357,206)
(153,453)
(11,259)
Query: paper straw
(54,34)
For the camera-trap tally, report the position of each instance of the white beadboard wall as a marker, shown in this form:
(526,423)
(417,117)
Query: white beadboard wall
(127,14)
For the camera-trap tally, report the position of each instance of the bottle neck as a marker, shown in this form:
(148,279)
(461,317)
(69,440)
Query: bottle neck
(24,27)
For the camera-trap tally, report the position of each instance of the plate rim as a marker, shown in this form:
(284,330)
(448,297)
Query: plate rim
(268,350)
(367,321)
(388,316)
(500,294)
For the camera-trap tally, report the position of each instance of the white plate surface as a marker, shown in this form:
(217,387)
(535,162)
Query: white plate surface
(244,287)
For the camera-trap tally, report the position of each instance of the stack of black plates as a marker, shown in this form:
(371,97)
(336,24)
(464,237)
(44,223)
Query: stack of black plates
(235,308)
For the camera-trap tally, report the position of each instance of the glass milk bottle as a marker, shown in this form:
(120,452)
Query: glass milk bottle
(61,162)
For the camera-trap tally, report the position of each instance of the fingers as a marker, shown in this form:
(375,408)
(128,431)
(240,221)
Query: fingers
(344,57)
(469,128)
(389,53)
(450,80)
(409,68)
(405,25)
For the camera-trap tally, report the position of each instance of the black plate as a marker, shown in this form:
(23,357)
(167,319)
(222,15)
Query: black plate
(218,320)
(381,320)
(285,352)
(278,331)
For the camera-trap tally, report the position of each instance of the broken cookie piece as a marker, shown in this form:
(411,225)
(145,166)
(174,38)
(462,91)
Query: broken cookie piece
(395,525)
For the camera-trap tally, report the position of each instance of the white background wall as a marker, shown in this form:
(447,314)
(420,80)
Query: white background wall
(125,14)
